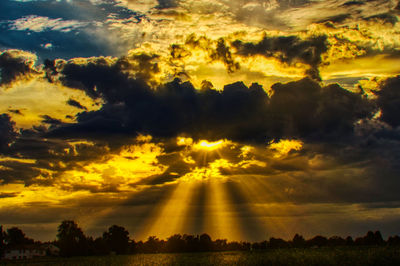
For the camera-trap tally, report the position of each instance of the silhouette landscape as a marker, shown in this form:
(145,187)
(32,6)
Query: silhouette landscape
(72,242)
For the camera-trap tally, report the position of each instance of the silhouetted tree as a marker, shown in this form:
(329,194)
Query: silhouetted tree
(277,243)
(100,246)
(192,243)
(370,239)
(318,241)
(91,249)
(132,248)
(117,238)
(205,243)
(260,245)
(152,245)
(359,241)
(393,241)
(139,247)
(378,239)
(349,241)
(298,241)
(336,241)
(175,243)
(15,237)
(71,240)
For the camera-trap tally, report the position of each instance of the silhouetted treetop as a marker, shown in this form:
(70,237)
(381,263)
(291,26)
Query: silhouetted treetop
(117,238)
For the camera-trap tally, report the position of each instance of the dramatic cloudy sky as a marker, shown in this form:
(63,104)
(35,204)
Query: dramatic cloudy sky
(242,119)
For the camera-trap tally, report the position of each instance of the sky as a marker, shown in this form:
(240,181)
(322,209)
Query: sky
(241,119)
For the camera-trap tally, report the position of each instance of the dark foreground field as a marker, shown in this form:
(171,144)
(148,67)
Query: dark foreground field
(323,256)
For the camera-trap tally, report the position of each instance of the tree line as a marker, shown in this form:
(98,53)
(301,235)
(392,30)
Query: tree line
(73,242)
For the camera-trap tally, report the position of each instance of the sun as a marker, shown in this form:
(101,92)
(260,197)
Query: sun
(202,144)
(210,146)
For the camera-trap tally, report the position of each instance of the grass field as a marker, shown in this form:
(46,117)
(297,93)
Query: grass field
(323,256)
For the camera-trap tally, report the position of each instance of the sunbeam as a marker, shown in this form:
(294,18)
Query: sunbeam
(221,221)
(171,217)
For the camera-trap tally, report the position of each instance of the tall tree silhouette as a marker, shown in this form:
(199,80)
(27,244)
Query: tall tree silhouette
(205,242)
(370,239)
(71,239)
(298,241)
(117,239)
(15,237)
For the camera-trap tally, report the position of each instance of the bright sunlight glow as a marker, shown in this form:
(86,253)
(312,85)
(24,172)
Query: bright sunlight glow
(210,146)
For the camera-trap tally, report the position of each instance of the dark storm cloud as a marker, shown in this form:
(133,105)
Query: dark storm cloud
(173,109)
(288,49)
(300,109)
(389,101)
(76,104)
(7,132)
(110,80)
(31,144)
(12,171)
(14,66)
(306,110)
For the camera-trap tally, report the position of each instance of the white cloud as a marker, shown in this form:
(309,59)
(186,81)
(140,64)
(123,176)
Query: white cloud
(38,24)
